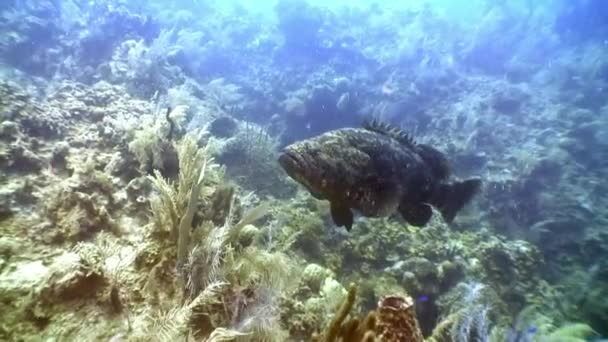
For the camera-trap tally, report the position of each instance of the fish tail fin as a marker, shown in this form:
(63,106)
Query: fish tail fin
(435,159)
(450,198)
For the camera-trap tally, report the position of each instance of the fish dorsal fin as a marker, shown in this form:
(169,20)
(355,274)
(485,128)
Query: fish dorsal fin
(390,131)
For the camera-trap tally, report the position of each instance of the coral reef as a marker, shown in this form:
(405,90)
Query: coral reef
(140,198)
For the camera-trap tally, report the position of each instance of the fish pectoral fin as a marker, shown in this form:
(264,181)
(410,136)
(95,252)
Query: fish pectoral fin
(417,214)
(341,215)
(450,198)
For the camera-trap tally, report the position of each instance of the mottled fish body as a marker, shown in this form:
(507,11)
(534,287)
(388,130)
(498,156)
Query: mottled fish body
(376,170)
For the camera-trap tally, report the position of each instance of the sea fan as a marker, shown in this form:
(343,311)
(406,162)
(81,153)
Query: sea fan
(473,322)
(468,318)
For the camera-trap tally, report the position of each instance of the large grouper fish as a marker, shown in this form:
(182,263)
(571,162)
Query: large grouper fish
(377,170)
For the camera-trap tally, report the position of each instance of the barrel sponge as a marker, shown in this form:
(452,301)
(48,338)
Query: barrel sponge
(396,319)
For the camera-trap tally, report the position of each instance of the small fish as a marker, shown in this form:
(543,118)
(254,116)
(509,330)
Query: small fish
(423,298)
(532,330)
(343,102)
(376,170)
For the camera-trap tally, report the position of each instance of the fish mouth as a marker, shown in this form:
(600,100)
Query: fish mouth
(296,167)
(291,163)
(299,167)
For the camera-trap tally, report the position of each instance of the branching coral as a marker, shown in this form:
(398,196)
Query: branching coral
(104,257)
(214,256)
(244,264)
(260,317)
(71,278)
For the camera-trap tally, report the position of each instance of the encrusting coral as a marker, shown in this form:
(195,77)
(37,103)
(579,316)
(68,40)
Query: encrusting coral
(81,205)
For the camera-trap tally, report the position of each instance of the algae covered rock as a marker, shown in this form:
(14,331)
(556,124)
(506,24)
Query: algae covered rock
(509,101)
(8,248)
(418,275)
(59,156)
(77,283)
(9,130)
(223,127)
(315,275)
(333,292)
(512,266)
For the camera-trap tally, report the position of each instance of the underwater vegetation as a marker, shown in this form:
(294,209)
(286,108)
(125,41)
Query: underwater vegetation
(183,171)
